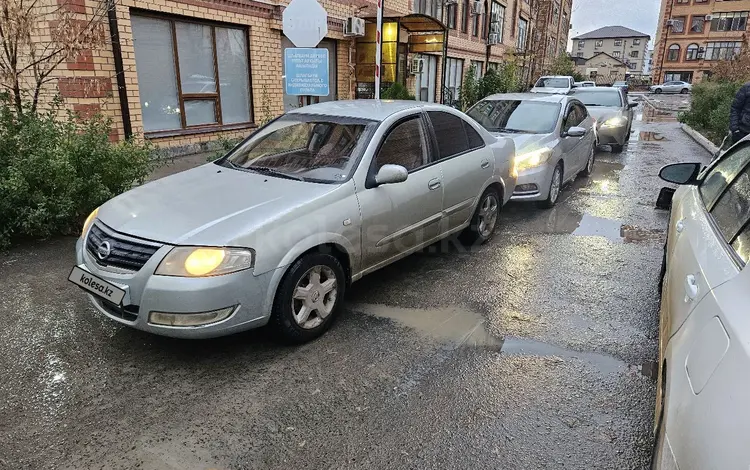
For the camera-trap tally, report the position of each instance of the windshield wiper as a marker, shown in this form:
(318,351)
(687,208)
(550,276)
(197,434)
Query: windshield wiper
(270,171)
(511,131)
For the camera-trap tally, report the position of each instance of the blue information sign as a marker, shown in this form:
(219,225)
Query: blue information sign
(306,71)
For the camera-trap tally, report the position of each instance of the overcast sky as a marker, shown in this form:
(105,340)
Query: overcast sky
(640,15)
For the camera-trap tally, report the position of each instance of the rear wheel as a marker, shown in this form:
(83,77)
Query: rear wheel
(616,148)
(657,91)
(555,186)
(308,298)
(684,91)
(484,220)
(589,168)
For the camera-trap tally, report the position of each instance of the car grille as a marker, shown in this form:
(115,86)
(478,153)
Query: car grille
(124,254)
(126,312)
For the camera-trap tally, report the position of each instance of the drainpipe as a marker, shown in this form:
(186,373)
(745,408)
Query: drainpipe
(114,35)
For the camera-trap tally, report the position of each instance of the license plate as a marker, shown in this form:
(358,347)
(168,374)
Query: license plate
(96,285)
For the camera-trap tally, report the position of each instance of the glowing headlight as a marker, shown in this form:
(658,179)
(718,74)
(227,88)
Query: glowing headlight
(531,159)
(617,121)
(198,261)
(89,221)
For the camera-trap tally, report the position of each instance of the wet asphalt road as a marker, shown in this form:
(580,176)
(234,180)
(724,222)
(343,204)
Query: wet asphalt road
(531,352)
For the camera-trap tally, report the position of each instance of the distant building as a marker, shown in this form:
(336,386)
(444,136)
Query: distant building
(648,62)
(601,68)
(621,43)
(692,36)
(551,26)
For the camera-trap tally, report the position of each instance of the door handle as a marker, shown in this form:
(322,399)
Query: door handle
(691,288)
(485,163)
(433,184)
(680,225)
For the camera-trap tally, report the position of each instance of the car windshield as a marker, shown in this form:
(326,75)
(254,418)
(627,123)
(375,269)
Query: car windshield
(620,84)
(526,116)
(322,149)
(551,82)
(599,98)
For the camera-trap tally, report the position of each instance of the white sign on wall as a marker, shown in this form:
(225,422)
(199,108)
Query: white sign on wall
(305,22)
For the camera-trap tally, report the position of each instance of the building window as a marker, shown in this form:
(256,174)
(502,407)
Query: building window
(634,54)
(208,55)
(581,44)
(682,1)
(579,54)
(731,21)
(615,53)
(696,24)
(678,24)
(432,8)
(475,24)
(636,42)
(454,69)
(599,43)
(723,50)
(497,21)
(691,53)
(678,77)
(618,42)
(523,28)
(465,16)
(493,66)
(478,68)
(452,12)
(674,53)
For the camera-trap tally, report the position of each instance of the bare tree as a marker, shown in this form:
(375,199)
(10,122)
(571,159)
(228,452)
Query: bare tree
(37,36)
(736,69)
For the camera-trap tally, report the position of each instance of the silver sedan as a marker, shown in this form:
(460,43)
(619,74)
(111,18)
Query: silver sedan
(613,114)
(554,140)
(277,230)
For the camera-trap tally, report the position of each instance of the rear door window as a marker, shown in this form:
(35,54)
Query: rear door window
(450,134)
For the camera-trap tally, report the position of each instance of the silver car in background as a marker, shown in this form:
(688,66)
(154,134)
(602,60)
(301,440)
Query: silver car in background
(553,135)
(277,230)
(613,114)
(674,86)
(703,394)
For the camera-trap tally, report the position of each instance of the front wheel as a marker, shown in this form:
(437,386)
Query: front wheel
(684,91)
(555,186)
(616,148)
(484,221)
(657,91)
(308,298)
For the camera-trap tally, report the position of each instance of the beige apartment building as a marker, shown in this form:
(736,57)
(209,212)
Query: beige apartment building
(183,73)
(621,43)
(692,35)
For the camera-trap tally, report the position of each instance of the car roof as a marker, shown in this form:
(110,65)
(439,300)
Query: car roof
(598,89)
(377,110)
(549,97)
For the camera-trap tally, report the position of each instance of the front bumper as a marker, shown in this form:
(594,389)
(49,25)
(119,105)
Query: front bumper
(540,176)
(612,135)
(146,293)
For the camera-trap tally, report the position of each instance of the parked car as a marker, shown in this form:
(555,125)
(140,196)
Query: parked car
(702,417)
(584,84)
(553,84)
(554,139)
(672,87)
(613,114)
(277,229)
(621,84)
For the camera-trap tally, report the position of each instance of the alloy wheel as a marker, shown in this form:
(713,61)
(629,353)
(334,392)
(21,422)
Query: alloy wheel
(554,189)
(590,163)
(488,215)
(314,297)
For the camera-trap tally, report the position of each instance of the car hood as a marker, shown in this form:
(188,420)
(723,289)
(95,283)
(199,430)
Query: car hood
(208,205)
(526,142)
(602,113)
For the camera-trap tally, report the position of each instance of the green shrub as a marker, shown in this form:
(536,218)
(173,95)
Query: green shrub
(396,92)
(54,172)
(709,108)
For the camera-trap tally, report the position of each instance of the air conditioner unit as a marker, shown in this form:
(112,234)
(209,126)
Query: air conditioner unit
(417,65)
(451,2)
(709,17)
(354,27)
(670,22)
(493,38)
(476,7)
(700,55)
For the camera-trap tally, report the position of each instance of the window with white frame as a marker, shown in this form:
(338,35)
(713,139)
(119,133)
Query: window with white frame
(432,8)
(454,70)
(722,50)
(478,68)
(523,27)
(208,84)
(615,53)
(618,42)
(497,20)
(581,44)
(636,42)
(599,43)
(729,21)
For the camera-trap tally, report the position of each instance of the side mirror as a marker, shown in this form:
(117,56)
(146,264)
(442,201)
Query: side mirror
(632,105)
(389,174)
(680,173)
(575,132)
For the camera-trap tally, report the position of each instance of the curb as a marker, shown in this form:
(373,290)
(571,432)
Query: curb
(700,139)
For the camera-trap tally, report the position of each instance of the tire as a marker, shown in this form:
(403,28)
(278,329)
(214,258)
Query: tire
(557,176)
(684,91)
(484,221)
(616,148)
(658,446)
(589,168)
(323,301)
(657,91)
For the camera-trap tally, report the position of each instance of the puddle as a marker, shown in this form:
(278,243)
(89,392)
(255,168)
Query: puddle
(528,347)
(454,324)
(651,136)
(591,226)
(651,114)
